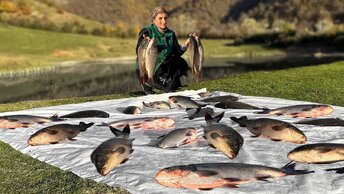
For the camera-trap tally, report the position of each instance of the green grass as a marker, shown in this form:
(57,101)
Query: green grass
(28,48)
(23,174)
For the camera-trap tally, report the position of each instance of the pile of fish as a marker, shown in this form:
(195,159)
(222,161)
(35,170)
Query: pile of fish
(222,138)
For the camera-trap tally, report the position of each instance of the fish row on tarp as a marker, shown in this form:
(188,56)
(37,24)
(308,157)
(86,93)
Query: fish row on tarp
(116,151)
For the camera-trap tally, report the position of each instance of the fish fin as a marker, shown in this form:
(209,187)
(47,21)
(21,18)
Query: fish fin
(205,173)
(125,160)
(263,178)
(215,135)
(323,150)
(232,179)
(211,145)
(241,121)
(12,128)
(83,124)
(131,151)
(255,136)
(71,139)
(306,109)
(289,169)
(337,170)
(205,189)
(142,80)
(161,136)
(205,137)
(25,126)
(277,140)
(51,132)
(144,104)
(264,111)
(191,112)
(231,186)
(278,127)
(118,133)
(120,150)
(278,114)
(55,142)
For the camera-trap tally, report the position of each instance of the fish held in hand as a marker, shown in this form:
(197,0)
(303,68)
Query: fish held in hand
(318,153)
(196,51)
(223,138)
(17,121)
(141,59)
(272,129)
(150,60)
(161,105)
(300,111)
(56,133)
(207,176)
(111,153)
(87,114)
(177,138)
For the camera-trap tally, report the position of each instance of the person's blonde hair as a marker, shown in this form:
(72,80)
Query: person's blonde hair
(158,10)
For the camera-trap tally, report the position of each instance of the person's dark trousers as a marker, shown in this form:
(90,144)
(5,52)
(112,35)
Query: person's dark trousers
(167,77)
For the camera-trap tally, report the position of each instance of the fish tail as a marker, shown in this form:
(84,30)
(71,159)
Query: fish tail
(55,117)
(211,120)
(83,124)
(191,112)
(289,169)
(264,111)
(241,121)
(125,133)
(144,104)
(150,81)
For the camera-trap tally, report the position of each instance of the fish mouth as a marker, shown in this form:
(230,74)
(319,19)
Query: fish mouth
(104,172)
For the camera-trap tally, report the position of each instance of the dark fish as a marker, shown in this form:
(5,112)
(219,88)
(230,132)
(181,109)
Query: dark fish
(111,153)
(272,129)
(158,105)
(213,175)
(56,133)
(318,153)
(86,114)
(177,138)
(221,98)
(322,122)
(199,112)
(224,139)
(235,105)
(16,121)
(196,56)
(303,110)
(134,110)
(183,102)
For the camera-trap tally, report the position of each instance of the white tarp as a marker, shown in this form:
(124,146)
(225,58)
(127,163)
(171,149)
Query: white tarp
(138,174)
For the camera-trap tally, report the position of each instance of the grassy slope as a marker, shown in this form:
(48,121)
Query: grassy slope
(31,48)
(322,84)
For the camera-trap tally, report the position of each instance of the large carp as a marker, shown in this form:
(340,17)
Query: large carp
(17,121)
(302,111)
(87,114)
(113,152)
(141,59)
(56,133)
(212,175)
(196,56)
(150,60)
(272,129)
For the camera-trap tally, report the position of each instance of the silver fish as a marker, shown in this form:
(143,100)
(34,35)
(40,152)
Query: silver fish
(196,56)
(141,59)
(303,110)
(16,121)
(177,138)
(56,133)
(322,122)
(213,175)
(86,114)
(158,105)
(150,60)
(272,129)
(318,153)
(224,139)
(132,110)
(183,102)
